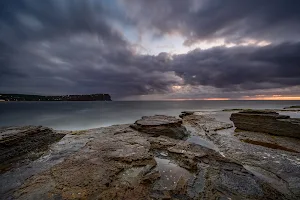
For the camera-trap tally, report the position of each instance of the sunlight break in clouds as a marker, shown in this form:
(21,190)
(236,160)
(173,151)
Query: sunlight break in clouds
(142,49)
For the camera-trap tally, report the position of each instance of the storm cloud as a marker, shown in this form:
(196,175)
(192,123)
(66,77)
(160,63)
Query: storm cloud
(78,47)
(241,68)
(234,20)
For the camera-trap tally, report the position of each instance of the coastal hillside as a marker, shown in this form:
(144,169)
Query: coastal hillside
(26,97)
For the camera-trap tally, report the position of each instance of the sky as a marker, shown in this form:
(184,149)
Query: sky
(152,49)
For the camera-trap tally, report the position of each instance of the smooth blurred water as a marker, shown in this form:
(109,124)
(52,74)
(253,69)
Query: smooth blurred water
(85,115)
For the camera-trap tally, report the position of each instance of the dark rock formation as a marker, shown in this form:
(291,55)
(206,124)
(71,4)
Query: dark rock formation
(291,107)
(267,122)
(186,113)
(161,125)
(17,143)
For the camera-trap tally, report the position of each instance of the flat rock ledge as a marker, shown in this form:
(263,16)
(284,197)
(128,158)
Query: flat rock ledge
(21,143)
(161,125)
(140,161)
(266,122)
(122,163)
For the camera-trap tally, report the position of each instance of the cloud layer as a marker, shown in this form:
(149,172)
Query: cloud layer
(73,46)
(234,20)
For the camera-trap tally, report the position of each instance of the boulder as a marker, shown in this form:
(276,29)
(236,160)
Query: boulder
(267,122)
(161,125)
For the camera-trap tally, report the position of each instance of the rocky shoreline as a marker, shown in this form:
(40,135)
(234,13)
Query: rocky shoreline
(157,157)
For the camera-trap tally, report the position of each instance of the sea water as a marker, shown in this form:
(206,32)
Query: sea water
(94,114)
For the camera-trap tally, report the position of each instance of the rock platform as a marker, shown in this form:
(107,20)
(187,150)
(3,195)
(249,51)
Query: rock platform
(145,160)
(267,122)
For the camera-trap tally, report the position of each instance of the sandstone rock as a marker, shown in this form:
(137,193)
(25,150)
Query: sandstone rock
(16,143)
(128,165)
(273,159)
(161,125)
(119,162)
(204,123)
(267,122)
(269,141)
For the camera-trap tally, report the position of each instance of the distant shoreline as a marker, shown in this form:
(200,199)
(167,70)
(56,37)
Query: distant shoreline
(26,97)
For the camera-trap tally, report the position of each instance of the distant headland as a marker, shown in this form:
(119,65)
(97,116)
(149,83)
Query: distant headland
(26,97)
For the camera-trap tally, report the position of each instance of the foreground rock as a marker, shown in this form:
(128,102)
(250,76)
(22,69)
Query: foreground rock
(273,159)
(270,141)
(23,143)
(119,162)
(161,125)
(267,122)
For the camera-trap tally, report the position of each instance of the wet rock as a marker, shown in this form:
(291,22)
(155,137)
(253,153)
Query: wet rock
(233,110)
(269,141)
(151,176)
(134,165)
(267,122)
(20,143)
(186,113)
(292,107)
(108,167)
(276,166)
(172,176)
(161,125)
(203,124)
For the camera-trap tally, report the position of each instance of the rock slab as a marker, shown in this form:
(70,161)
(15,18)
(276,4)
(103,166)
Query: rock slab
(16,143)
(267,122)
(161,125)
(122,163)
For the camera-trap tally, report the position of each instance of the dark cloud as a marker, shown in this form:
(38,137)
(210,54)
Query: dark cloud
(24,20)
(82,64)
(241,68)
(72,47)
(235,20)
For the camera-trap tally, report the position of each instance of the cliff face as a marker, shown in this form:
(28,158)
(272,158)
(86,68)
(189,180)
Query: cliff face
(24,97)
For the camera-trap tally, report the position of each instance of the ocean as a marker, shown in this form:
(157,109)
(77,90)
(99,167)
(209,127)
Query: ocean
(94,114)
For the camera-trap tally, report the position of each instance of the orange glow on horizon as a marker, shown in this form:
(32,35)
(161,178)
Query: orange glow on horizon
(196,99)
(273,97)
(256,97)
(217,99)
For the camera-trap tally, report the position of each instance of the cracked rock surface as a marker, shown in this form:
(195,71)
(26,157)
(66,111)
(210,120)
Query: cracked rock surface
(274,159)
(129,162)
